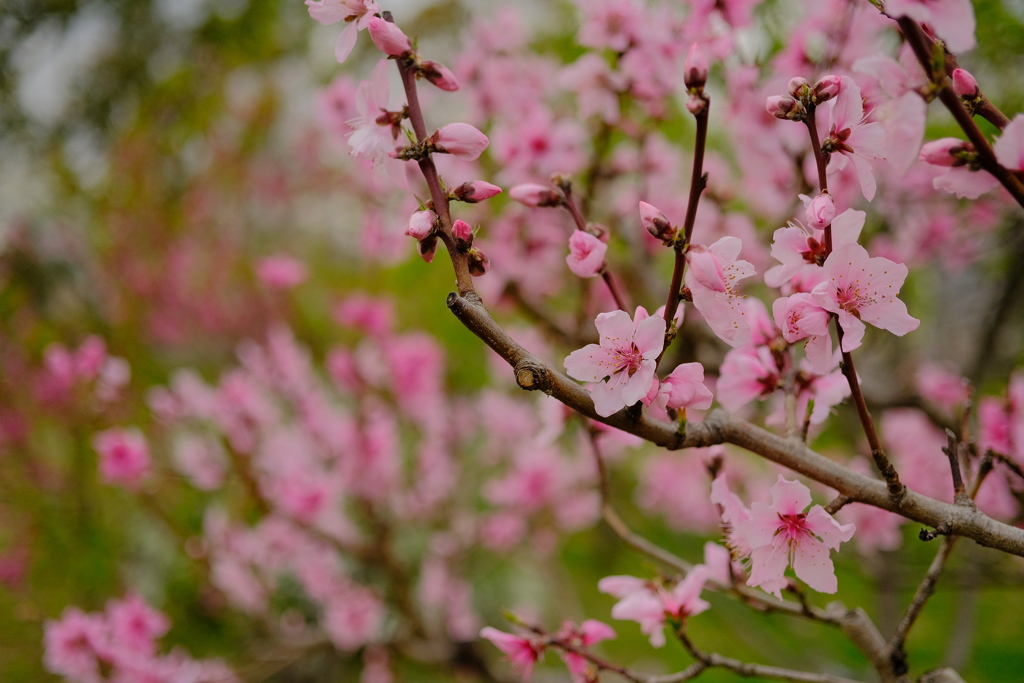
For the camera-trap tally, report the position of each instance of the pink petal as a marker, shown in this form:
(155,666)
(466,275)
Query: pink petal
(1009,147)
(813,566)
(345,42)
(789,497)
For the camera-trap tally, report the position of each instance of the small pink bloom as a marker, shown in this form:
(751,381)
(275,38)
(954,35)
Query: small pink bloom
(649,605)
(747,373)
(943,387)
(476,191)
(356,14)
(862,289)
(462,231)
(799,251)
(820,210)
(536,195)
(459,139)
(522,652)
(827,88)
(684,388)
(388,38)
(586,254)
(712,277)
(782,533)
(281,271)
(72,644)
(851,138)
(124,456)
(439,75)
(964,84)
(800,318)
(421,224)
(945,152)
(655,222)
(625,357)
(370,138)
(583,636)
(135,625)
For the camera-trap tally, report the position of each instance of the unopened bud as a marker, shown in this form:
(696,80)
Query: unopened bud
(947,152)
(562,182)
(820,210)
(476,191)
(459,139)
(696,104)
(825,89)
(478,262)
(534,194)
(798,88)
(439,75)
(388,38)
(463,233)
(655,222)
(695,69)
(421,224)
(785,107)
(964,84)
(427,248)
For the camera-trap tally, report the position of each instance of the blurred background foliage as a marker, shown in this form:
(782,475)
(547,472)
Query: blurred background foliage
(178,129)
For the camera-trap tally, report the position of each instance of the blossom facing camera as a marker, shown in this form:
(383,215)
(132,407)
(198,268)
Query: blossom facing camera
(460,140)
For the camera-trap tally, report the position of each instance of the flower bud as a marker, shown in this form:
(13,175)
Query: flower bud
(463,233)
(964,84)
(421,224)
(439,75)
(695,68)
(797,87)
(474,192)
(695,104)
(825,89)
(427,248)
(478,262)
(946,152)
(459,139)
(654,222)
(785,107)
(534,194)
(388,38)
(820,211)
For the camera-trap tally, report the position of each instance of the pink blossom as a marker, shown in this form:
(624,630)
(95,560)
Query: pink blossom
(135,625)
(596,85)
(747,372)
(421,224)
(72,644)
(625,357)
(460,140)
(1009,147)
(712,277)
(862,289)
(800,318)
(649,604)
(964,84)
(523,653)
(820,210)
(943,386)
(851,138)
(281,271)
(655,222)
(799,251)
(536,195)
(475,191)
(583,636)
(124,456)
(952,20)
(586,254)
(782,533)
(388,38)
(945,152)
(371,139)
(357,14)
(439,75)
(684,388)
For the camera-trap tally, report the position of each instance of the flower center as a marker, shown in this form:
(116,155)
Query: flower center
(628,359)
(793,527)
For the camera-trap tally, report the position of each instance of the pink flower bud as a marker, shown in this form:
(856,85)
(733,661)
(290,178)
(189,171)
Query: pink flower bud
(695,104)
(462,231)
(439,75)
(785,107)
(586,254)
(421,224)
(533,194)
(459,139)
(797,86)
(820,211)
(945,152)
(388,38)
(964,84)
(695,68)
(476,191)
(427,247)
(654,222)
(826,89)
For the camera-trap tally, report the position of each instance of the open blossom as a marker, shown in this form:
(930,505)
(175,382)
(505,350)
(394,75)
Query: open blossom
(798,251)
(852,139)
(712,277)
(522,652)
(371,139)
(859,289)
(800,318)
(356,13)
(625,356)
(583,636)
(684,388)
(649,604)
(586,254)
(781,534)
(952,20)
(124,456)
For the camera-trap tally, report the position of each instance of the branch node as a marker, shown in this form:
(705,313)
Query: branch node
(944,529)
